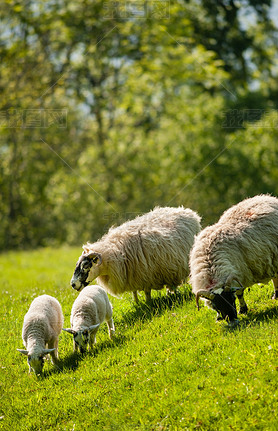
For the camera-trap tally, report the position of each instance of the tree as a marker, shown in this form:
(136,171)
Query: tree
(109,112)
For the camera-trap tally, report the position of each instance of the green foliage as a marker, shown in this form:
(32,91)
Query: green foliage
(108,109)
(169,367)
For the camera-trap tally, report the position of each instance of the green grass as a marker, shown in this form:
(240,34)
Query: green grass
(169,367)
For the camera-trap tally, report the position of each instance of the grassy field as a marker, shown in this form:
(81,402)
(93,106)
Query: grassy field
(169,367)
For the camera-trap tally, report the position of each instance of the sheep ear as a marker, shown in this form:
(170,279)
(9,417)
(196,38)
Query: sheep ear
(96,258)
(204,293)
(86,248)
(24,352)
(235,289)
(46,351)
(69,330)
(93,327)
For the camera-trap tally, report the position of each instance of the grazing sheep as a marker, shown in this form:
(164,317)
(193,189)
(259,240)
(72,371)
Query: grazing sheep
(142,254)
(241,249)
(89,310)
(41,328)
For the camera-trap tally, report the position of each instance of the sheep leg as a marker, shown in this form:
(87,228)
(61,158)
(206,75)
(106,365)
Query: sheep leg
(54,354)
(111,328)
(148,296)
(75,346)
(242,304)
(92,339)
(275,283)
(135,296)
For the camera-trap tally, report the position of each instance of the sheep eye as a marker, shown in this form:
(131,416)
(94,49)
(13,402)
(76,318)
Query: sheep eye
(85,265)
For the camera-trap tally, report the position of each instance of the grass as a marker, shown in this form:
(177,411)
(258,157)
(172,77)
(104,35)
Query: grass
(169,367)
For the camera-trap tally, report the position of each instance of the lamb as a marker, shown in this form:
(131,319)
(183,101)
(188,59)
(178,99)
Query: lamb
(241,249)
(41,328)
(90,309)
(142,254)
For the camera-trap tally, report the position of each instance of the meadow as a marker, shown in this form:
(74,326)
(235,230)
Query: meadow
(169,366)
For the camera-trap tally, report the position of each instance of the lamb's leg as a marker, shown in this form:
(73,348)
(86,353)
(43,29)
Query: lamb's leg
(54,354)
(92,340)
(242,304)
(135,296)
(275,283)
(111,328)
(148,296)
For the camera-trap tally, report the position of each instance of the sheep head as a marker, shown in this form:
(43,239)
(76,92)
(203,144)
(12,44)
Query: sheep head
(82,337)
(86,270)
(35,361)
(222,299)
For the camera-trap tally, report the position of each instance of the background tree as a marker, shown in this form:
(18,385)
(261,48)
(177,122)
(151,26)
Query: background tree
(108,109)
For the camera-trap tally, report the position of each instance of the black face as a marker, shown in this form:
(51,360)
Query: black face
(225,304)
(81,273)
(82,338)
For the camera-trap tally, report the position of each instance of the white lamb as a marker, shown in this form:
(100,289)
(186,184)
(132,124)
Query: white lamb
(41,328)
(91,308)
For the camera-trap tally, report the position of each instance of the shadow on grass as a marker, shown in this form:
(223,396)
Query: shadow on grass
(256,317)
(72,361)
(141,311)
(144,311)
(253,318)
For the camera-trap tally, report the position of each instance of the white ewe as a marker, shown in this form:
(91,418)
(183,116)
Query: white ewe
(146,253)
(238,251)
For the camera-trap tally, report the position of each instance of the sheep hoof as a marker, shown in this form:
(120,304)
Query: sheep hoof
(243,310)
(233,323)
(135,296)
(112,334)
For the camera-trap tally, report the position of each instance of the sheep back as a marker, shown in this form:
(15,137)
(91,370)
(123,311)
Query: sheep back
(148,252)
(43,321)
(242,244)
(91,307)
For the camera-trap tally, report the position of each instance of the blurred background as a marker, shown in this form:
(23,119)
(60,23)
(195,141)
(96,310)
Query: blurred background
(108,109)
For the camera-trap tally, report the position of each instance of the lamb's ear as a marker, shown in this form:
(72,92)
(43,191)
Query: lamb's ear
(24,352)
(93,327)
(69,330)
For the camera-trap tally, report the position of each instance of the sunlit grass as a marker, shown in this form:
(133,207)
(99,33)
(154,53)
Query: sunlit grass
(169,367)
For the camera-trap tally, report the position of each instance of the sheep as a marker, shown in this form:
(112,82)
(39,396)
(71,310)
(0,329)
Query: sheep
(145,253)
(241,249)
(41,328)
(89,310)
